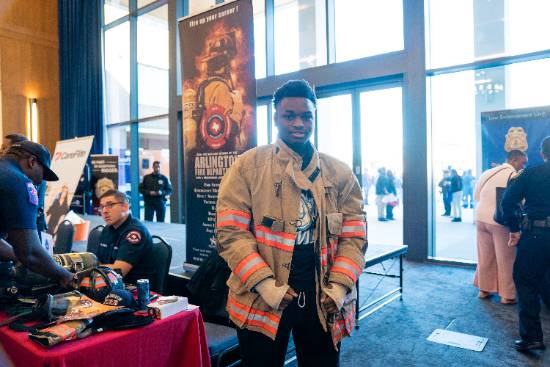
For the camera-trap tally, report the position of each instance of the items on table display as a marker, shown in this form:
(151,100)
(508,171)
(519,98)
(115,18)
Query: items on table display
(100,282)
(219,94)
(168,306)
(72,315)
(143,293)
(20,281)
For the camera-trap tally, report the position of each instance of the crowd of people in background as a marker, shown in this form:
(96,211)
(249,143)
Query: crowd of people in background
(456,192)
(387,198)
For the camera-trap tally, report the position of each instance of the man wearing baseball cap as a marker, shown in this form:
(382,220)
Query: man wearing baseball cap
(24,165)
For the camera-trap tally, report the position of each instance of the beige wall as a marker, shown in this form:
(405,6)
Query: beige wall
(29,66)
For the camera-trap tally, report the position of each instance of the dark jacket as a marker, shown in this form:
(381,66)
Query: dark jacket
(456,183)
(155,182)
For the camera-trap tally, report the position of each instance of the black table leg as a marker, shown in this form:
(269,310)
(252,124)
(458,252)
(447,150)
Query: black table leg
(401,277)
(357,304)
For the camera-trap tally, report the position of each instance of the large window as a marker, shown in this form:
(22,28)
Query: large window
(262,124)
(382,160)
(334,122)
(153,146)
(114,9)
(460,32)
(367,27)
(152,58)
(300,35)
(136,103)
(481,33)
(259,38)
(117,73)
(197,6)
(118,143)
(457,100)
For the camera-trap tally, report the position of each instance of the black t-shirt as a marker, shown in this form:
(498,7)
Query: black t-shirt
(132,243)
(302,271)
(18,198)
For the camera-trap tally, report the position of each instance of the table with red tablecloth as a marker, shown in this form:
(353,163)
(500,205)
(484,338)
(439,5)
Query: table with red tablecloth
(178,340)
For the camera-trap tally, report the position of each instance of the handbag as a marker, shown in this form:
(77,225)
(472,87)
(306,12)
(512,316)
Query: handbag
(499,193)
(389,199)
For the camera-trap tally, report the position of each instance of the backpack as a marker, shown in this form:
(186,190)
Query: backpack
(209,290)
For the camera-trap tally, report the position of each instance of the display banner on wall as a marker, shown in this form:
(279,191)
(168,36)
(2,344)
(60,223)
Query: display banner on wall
(219,95)
(68,162)
(81,197)
(522,129)
(104,176)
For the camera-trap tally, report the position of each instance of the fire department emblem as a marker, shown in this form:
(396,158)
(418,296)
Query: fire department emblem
(215,127)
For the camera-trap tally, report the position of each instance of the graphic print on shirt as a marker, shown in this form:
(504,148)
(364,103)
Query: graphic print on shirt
(307,217)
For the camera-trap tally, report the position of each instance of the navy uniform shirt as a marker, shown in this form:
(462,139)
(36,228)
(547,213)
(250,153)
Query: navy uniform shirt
(533,185)
(155,182)
(132,243)
(18,198)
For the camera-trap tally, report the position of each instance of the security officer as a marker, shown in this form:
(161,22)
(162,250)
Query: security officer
(154,188)
(24,165)
(533,245)
(125,244)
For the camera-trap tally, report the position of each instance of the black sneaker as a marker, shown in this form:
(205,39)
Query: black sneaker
(524,345)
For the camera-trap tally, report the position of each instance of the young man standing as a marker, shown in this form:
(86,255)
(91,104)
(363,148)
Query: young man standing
(291,226)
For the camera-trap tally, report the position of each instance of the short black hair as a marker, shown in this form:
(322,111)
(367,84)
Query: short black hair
(294,88)
(545,147)
(156,162)
(118,195)
(16,138)
(514,154)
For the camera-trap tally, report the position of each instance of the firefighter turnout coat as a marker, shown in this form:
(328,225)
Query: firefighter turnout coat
(257,216)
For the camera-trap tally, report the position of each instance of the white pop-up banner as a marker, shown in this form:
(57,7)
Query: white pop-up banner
(68,162)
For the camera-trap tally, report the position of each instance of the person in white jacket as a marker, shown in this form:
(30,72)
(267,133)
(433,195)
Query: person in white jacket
(495,258)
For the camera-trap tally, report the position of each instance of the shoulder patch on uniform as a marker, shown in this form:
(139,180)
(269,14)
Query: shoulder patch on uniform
(134,237)
(32,193)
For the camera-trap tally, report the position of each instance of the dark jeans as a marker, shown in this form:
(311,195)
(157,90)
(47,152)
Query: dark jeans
(389,211)
(447,199)
(530,272)
(546,290)
(313,345)
(158,207)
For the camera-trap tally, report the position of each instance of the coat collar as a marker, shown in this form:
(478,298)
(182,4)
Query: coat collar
(285,154)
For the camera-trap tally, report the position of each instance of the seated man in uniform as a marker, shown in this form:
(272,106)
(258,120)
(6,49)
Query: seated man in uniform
(125,244)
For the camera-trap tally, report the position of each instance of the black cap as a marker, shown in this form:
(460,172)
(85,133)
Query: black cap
(41,153)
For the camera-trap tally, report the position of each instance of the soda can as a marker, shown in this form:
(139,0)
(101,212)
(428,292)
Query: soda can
(143,293)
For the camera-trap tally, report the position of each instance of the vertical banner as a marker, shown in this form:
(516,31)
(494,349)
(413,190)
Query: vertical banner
(104,176)
(219,95)
(68,162)
(81,197)
(518,129)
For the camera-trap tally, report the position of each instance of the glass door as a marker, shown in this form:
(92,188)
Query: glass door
(334,127)
(382,163)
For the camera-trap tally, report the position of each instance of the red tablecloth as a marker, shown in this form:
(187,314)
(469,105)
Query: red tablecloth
(178,340)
